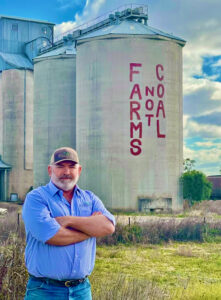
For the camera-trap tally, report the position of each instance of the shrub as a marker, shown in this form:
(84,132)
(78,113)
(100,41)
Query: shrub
(155,232)
(196,187)
(212,232)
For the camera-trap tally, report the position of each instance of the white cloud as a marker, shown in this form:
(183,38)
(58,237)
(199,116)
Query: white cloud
(90,11)
(65,4)
(62,28)
(193,85)
(208,144)
(188,153)
(217,64)
(216,95)
(194,129)
(207,160)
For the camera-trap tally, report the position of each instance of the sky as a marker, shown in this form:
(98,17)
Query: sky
(196,21)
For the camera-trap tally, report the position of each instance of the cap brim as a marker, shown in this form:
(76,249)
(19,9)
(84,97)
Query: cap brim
(59,161)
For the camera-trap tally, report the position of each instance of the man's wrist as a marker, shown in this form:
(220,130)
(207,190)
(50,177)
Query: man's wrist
(68,221)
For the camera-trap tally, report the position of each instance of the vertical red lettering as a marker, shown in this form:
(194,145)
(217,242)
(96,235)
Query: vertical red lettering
(159,77)
(134,127)
(136,90)
(160,90)
(151,91)
(134,107)
(159,135)
(135,147)
(160,107)
(149,116)
(149,104)
(132,71)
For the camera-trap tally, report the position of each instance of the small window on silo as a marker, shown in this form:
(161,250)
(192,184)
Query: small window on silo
(44,30)
(14,32)
(14,27)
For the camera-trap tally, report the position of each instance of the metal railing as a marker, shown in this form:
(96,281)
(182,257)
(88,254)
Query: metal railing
(101,18)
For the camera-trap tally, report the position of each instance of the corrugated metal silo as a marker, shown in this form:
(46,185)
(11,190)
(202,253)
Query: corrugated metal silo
(129,115)
(54,106)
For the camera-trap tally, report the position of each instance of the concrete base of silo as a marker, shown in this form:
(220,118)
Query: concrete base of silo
(149,204)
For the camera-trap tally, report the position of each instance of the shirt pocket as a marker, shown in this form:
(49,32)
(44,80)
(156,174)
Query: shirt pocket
(85,211)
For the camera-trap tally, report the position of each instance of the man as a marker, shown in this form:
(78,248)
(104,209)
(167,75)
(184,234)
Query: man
(62,223)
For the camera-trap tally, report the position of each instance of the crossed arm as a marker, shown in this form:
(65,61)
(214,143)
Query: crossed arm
(82,228)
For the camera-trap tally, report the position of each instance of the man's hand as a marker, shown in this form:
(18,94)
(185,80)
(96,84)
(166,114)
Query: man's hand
(96,213)
(96,225)
(65,220)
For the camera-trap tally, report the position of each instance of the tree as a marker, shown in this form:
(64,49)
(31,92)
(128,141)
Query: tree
(188,164)
(196,187)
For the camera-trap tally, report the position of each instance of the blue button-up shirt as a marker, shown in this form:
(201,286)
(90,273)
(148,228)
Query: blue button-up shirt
(41,207)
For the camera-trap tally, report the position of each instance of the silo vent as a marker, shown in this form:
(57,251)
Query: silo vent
(112,17)
(68,39)
(117,15)
(76,33)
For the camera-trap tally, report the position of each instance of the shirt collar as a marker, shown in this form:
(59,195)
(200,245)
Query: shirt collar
(55,189)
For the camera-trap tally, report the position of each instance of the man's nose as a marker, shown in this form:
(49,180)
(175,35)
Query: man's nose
(66,170)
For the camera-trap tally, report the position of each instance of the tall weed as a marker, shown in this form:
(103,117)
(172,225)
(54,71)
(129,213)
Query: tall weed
(12,269)
(125,288)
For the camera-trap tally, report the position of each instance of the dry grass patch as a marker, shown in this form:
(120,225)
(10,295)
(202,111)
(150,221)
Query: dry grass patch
(185,251)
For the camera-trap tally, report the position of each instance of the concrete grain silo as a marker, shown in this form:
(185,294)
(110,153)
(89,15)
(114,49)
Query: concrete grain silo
(129,113)
(17,100)
(54,105)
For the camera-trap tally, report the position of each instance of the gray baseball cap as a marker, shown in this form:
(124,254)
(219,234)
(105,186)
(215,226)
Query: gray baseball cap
(64,154)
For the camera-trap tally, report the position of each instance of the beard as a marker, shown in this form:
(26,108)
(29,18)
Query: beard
(65,183)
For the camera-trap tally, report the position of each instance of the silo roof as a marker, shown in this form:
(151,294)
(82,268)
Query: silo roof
(3,165)
(18,61)
(65,49)
(25,19)
(129,27)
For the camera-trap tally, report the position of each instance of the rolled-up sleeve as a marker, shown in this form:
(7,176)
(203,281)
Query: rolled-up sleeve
(37,218)
(99,206)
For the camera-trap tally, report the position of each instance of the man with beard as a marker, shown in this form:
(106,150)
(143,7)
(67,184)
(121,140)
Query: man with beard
(62,222)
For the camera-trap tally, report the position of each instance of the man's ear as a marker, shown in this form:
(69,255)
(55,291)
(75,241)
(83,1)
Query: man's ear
(49,170)
(79,170)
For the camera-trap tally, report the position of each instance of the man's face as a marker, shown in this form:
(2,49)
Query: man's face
(65,174)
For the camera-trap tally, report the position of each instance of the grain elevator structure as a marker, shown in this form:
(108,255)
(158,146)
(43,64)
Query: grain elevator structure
(113,90)
(20,41)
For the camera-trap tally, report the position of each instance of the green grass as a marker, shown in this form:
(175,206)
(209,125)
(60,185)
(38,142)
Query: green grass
(184,270)
(171,270)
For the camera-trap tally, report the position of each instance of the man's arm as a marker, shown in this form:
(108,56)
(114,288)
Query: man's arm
(39,222)
(96,225)
(66,237)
